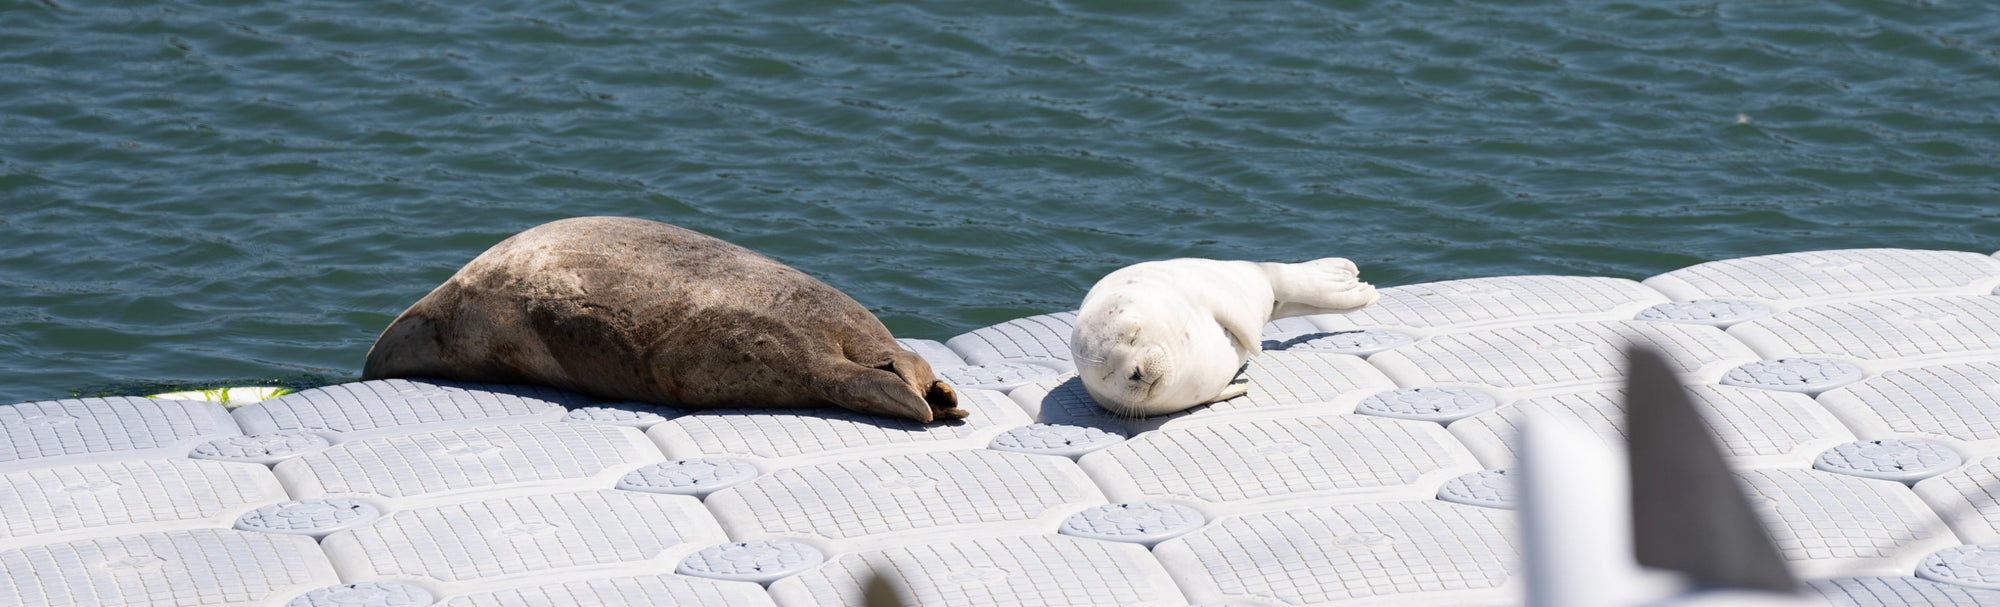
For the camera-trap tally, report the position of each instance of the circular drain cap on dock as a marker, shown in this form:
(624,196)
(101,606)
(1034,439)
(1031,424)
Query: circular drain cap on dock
(365,594)
(1977,566)
(696,477)
(1140,522)
(1361,342)
(996,376)
(1437,404)
(315,517)
(1054,439)
(614,416)
(1804,375)
(760,561)
(1891,459)
(1487,488)
(267,449)
(1712,312)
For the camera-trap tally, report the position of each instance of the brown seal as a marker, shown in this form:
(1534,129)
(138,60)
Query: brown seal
(629,309)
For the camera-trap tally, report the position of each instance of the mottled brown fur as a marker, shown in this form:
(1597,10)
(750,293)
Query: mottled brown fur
(631,309)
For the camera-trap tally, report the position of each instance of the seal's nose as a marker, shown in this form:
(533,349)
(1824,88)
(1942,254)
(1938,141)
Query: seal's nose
(1150,369)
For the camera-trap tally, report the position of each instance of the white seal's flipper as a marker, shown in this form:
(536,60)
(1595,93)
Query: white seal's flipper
(1230,391)
(1321,286)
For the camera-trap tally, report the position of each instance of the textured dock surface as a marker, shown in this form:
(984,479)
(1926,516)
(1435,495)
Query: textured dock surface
(1857,392)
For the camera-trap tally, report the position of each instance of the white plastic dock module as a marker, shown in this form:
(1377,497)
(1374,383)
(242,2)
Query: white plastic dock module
(1816,276)
(1299,383)
(1539,357)
(72,431)
(1974,565)
(938,355)
(1458,305)
(392,406)
(1882,335)
(1755,428)
(1900,592)
(475,546)
(780,437)
(191,568)
(1251,465)
(1719,313)
(640,591)
(877,502)
(1952,401)
(1280,383)
(69,502)
(1287,328)
(1856,393)
(1063,400)
(628,414)
(996,376)
(1042,570)
(1969,499)
(1830,525)
(1040,339)
(1421,554)
(411,469)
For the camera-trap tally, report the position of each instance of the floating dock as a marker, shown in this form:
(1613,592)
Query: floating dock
(1857,392)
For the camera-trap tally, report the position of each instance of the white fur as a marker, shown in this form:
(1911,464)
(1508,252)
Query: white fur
(1163,336)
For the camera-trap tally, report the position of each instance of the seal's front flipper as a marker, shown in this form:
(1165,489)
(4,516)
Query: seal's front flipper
(1233,390)
(1321,286)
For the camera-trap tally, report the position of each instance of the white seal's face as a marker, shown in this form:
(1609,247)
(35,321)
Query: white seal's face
(1139,369)
(1124,376)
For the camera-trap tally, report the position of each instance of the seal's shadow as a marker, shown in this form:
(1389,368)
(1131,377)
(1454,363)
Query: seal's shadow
(1273,344)
(829,412)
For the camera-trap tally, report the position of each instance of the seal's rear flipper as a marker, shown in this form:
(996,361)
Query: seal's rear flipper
(881,393)
(943,401)
(917,374)
(1688,511)
(1321,286)
(894,390)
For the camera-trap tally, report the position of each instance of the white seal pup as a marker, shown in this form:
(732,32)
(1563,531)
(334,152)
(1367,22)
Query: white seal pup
(1164,336)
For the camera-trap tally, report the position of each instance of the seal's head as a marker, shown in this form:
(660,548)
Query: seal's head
(1134,370)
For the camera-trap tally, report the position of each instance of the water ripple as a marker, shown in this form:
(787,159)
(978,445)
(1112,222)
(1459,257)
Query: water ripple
(210,190)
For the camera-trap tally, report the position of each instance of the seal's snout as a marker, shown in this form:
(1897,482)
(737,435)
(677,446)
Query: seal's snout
(1137,385)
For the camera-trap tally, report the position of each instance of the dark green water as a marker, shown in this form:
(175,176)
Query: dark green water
(223,190)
